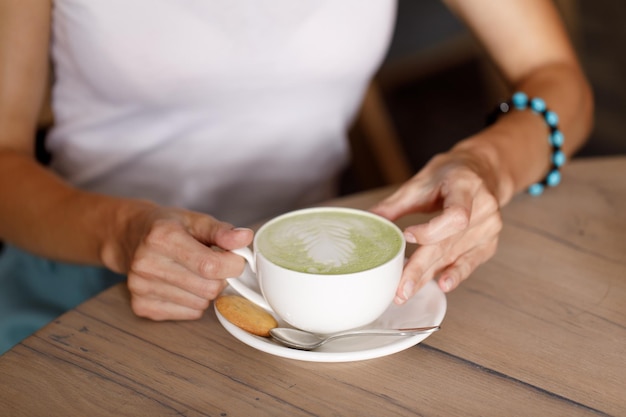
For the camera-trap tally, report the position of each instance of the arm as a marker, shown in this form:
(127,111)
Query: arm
(528,43)
(172,273)
(31,194)
(480,174)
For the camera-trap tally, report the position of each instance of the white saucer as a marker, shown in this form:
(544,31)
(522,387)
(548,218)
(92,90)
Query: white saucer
(426,308)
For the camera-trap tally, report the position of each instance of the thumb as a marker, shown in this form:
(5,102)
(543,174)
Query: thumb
(233,237)
(210,231)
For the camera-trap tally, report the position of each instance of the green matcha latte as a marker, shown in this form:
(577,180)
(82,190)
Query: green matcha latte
(329,242)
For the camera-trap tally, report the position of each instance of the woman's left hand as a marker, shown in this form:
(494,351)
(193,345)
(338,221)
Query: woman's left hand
(456,241)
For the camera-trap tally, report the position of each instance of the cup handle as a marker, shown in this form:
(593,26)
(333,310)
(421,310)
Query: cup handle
(242,288)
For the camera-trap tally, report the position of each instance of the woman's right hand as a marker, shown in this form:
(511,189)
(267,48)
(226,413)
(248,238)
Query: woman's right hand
(177,261)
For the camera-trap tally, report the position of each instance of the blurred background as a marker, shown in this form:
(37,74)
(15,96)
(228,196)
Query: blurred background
(436,87)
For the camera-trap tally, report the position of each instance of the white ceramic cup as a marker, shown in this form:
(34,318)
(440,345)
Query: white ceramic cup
(322,303)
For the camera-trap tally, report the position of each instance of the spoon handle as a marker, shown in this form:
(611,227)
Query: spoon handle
(409,331)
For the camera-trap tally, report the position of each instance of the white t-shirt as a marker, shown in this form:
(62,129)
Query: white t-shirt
(236,108)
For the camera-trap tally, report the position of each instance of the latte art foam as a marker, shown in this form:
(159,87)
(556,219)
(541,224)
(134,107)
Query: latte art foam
(331,242)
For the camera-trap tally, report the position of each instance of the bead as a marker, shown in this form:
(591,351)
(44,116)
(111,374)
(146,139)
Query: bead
(538,105)
(535,189)
(556,138)
(552,119)
(554,178)
(519,100)
(558,158)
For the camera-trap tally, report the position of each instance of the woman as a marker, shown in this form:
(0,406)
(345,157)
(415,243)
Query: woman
(174,122)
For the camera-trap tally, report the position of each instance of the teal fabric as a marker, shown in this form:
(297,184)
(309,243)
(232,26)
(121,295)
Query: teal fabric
(34,291)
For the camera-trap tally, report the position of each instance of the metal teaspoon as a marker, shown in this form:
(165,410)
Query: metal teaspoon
(302,340)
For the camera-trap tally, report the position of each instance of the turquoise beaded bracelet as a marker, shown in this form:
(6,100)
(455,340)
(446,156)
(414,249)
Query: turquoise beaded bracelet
(520,101)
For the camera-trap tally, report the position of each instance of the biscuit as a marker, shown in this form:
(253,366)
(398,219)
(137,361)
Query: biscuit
(246,315)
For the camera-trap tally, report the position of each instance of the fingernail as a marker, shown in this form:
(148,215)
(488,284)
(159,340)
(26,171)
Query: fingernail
(407,290)
(409,237)
(242,229)
(446,284)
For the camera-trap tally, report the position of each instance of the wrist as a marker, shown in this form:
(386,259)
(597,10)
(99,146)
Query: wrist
(487,162)
(521,102)
(122,233)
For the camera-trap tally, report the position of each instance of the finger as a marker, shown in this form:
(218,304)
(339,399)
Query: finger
(210,231)
(156,269)
(159,310)
(165,291)
(215,264)
(417,271)
(457,211)
(412,196)
(431,260)
(195,256)
(481,242)
(465,264)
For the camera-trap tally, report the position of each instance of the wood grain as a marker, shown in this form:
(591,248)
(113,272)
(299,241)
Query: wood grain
(538,330)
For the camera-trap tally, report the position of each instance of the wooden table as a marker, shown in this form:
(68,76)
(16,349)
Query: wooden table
(540,330)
